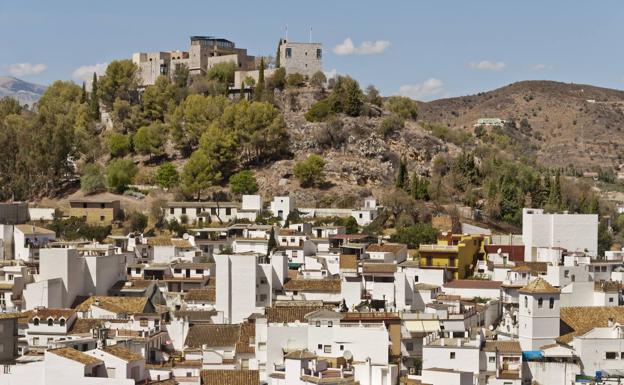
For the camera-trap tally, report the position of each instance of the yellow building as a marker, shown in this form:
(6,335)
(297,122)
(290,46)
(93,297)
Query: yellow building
(95,211)
(458,254)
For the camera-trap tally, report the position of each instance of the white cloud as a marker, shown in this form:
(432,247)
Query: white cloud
(85,73)
(541,67)
(25,69)
(488,65)
(422,91)
(365,48)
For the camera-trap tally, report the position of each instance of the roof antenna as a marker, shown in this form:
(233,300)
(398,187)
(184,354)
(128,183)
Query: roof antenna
(310,34)
(286,32)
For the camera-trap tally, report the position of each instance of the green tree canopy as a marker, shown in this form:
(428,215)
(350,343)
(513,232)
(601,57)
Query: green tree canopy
(416,235)
(119,174)
(92,180)
(199,174)
(119,145)
(158,99)
(243,182)
(167,175)
(120,80)
(150,140)
(310,171)
(402,106)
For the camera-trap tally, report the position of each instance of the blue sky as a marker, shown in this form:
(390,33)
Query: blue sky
(425,49)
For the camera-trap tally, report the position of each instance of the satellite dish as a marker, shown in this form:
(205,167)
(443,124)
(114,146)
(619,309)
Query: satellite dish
(347,355)
(185,236)
(491,327)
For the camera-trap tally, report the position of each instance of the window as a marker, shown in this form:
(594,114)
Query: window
(341,347)
(319,53)
(292,240)
(611,299)
(319,346)
(318,324)
(409,346)
(143,322)
(177,271)
(526,301)
(62,322)
(492,359)
(171,210)
(288,53)
(452,356)
(566,273)
(183,210)
(610,355)
(50,340)
(199,271)
(101,218)
(540,302)
(213,211)
(330,324)
(284,240)
(327,349)
(36,321)
(551,303)
(415,279)
(228,211)
(50,322)
(35,341)
(137,270)
(573,278)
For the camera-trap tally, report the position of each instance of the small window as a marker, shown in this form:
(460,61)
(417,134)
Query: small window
(330,324)
(183,210)
(566,273)
(36,321)
(526,301)
(319,53)
(143,322)
(452,356)
(62,322)
(101,218)
(540,302)
(171,210)
(416,279)
(319,346)
(318,324)
(327,349)
(409,346)
(551,303)
(102,205)
(177,271)
(288,53)
(199,271)
(50,322)
(228,211)
(610,355)
(611,299)
(492,359)
(341,347)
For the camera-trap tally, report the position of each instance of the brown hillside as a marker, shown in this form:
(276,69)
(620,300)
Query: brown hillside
(569,123)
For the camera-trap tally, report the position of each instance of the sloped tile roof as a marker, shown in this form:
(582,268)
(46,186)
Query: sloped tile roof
(539,286)
(503,346)
(129,305)
(212,335)
(84,325)
(230,377)
(207,295)
(473,284)
(75,355)
(579,320)
(247,333)
(385,248)
(288,314)
(315,285)
(123,353)
(55,314)
(348,261)
(379,268)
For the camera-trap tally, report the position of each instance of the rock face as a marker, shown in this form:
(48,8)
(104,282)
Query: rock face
(359,159)
(23,92)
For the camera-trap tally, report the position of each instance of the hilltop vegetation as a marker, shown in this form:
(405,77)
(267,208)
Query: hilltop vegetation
(324,142)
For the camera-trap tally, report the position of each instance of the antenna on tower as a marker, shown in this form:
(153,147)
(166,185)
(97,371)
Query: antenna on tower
(310,34)
(286,32)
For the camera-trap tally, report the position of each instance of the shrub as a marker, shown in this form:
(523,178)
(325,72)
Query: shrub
(118,145)
(137,221)
(310,171)
(243,182)
(318,79)
(413,236)
(390,125)
(277,80)
(167,175)
(319,111)
(119,174)
(92,180)
(295,80)
(402,106)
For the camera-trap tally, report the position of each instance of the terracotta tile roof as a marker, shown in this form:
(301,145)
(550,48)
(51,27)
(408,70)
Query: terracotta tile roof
(348,261)
(580,320)
(473,284)
(202,295)
(133,284)
(315,285)
(536,267)
(189,265)
(300,355)
(85,325)
(522,269)
(196,315)
(204,204)
(129,305)
(163,241)
(247,334)
(385,248)
(123,353)
(75,355)
(34,230)
(380,268)
(44,314)
(607,286)
(230,377)
(288,314)
(425,286)
(503,346)
(538,286)
(212,335)
(516,252)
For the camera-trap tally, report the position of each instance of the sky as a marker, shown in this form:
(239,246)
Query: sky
(422,49)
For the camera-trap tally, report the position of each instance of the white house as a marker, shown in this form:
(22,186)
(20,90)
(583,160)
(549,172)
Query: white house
(28,240)
(538,319)
(281,206)
(121,363)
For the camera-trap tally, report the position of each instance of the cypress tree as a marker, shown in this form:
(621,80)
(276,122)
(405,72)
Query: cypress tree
(402,176)
(259,91)
(277,54)
(94,102)
(83,96)
(242,90)
(272,242)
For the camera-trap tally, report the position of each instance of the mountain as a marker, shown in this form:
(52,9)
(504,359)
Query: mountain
(24,92)
(560,123)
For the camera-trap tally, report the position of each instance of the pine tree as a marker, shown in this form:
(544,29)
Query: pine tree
(401,181)
(554,197)
(94,102)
